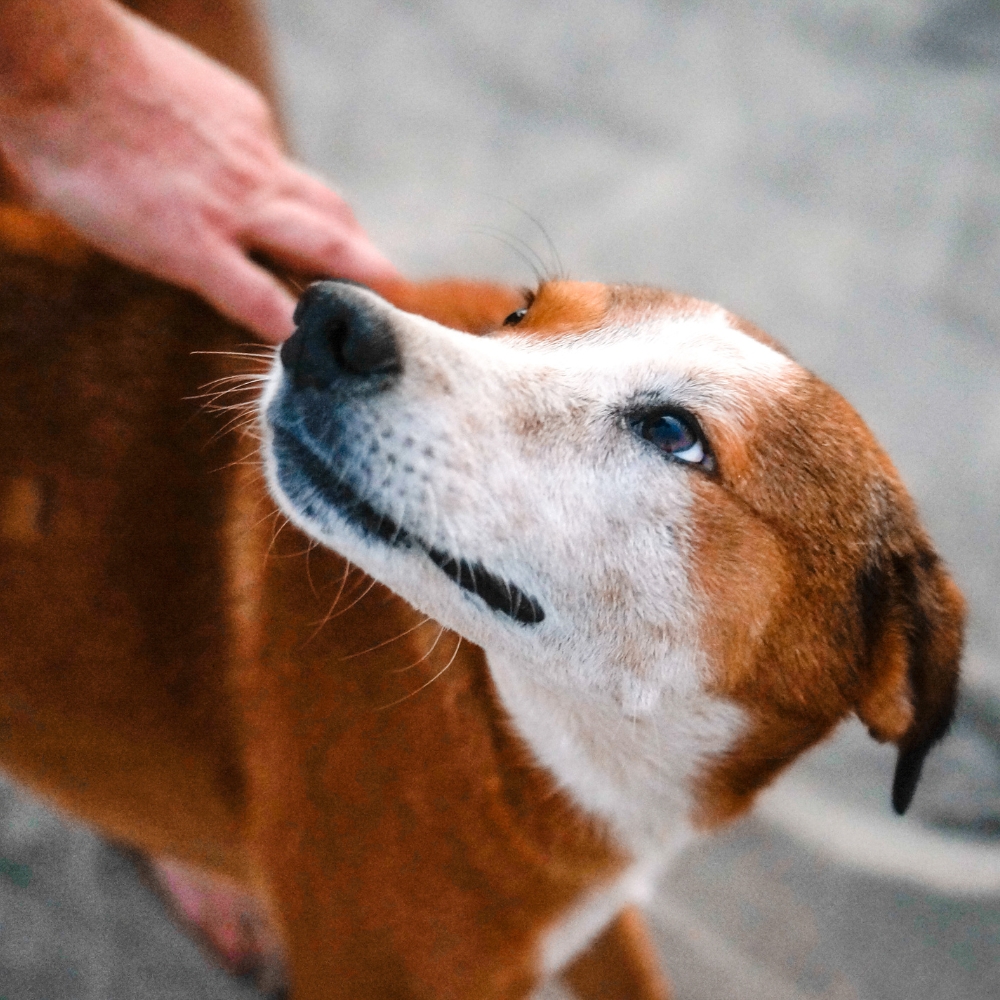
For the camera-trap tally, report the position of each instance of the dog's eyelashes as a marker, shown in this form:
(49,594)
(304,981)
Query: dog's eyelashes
(518,314)
(675,434)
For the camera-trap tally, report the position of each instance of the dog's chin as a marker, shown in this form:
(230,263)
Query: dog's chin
(327,508)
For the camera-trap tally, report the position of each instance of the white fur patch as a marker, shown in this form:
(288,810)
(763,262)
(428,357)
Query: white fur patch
(562,943)
(633,770)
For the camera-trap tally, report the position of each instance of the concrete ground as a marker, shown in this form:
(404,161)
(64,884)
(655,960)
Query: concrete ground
(828,168)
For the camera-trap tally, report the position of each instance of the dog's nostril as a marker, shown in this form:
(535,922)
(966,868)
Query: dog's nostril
(368,345)
(340,333)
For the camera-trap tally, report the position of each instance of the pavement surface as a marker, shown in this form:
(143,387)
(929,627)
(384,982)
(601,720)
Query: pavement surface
(829,169)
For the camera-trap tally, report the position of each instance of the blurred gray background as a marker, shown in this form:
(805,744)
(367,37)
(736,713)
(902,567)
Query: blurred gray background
(830,170)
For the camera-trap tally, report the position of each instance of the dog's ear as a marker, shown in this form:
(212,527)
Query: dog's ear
(472,306)
(913,616)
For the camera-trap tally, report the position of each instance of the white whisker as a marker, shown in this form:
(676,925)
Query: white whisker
(426,683)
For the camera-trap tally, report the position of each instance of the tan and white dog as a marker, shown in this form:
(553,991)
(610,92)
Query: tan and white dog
(683,555)
(678,558)
(654,560)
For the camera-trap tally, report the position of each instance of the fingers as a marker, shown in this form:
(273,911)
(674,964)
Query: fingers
(295,236)
(310,228)
(292,232)
(244,292)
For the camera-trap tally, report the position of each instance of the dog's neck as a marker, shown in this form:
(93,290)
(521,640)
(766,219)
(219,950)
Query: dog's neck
(638,774)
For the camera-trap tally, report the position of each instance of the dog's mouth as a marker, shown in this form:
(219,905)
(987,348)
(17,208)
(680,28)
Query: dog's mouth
(497,593)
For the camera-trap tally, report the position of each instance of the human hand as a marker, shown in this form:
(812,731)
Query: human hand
(169,162)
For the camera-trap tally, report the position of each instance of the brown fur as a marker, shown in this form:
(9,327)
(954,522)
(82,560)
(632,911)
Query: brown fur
(827,626)
(562,307)
(621,965)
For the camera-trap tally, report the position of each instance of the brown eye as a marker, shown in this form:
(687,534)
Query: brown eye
(515,317)
(676,435)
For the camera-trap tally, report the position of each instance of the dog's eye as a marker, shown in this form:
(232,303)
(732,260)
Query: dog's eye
(515,317)
(676,435)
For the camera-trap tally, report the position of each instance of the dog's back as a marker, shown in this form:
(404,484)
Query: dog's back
(112,563)
(112,534)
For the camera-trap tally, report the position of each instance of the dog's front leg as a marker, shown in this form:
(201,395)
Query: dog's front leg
(380,819)
(621,964)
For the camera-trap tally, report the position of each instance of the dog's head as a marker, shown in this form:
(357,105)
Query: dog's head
(636,495)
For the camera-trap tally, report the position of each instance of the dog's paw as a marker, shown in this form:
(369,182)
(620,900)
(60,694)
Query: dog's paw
(230,924)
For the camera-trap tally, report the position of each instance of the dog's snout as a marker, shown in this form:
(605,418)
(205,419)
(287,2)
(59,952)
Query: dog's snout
(341,334)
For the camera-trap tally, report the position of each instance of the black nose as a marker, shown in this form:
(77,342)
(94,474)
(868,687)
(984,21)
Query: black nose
(342,333)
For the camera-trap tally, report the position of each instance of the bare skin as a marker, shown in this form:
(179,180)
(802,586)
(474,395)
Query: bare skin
(165,160)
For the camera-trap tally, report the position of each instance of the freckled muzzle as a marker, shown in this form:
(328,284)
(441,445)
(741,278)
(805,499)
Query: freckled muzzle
(345,350)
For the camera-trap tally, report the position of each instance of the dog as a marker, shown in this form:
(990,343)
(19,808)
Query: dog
(568,578)
(684,557)
(664,558)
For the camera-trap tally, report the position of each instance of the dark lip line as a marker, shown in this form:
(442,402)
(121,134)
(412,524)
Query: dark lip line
(497,593)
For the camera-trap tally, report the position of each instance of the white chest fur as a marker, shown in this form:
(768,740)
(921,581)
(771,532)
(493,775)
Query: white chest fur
(563,942)
(635,773)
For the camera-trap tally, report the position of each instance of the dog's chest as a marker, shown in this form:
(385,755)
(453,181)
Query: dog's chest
(636,774)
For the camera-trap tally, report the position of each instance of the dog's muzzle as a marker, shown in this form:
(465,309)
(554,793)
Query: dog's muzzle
(344,348)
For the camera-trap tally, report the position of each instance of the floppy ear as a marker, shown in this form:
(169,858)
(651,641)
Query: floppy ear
(914,616)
